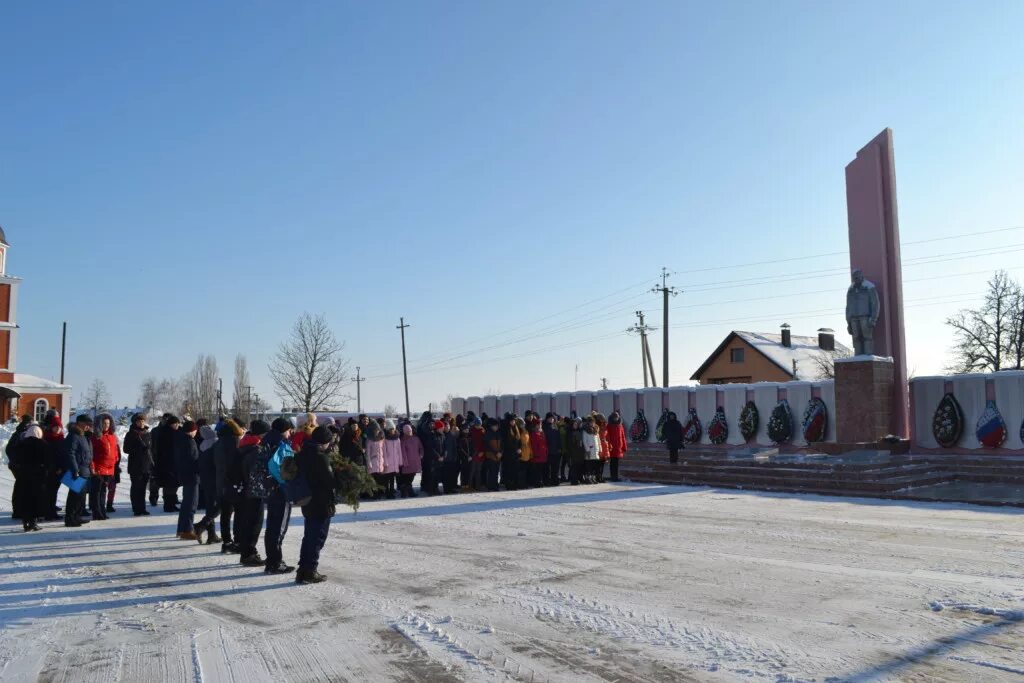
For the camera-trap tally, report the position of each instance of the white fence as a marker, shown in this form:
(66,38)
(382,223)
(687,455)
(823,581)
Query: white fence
(973,393)
(732,398)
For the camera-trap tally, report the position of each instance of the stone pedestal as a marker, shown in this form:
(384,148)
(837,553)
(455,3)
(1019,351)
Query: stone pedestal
(864,396)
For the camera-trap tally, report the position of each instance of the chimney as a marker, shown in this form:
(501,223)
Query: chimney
(787,340)
(826,339)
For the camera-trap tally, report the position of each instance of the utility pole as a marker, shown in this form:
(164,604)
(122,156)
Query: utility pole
(63,350)
(665,291)
(405,371)
(642,328)
(359,398)
(604,383)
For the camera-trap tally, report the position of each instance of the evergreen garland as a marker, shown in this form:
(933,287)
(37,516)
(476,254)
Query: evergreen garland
(639,431)
(750,420)
(350,480)
(718,430)
(780,423)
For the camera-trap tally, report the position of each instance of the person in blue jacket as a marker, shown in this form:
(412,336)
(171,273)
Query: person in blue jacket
(279,510)
(77,461)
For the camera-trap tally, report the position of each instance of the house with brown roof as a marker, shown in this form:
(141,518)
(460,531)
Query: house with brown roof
(745,357)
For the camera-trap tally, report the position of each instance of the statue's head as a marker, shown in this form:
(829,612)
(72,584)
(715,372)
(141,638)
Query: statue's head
(858,277)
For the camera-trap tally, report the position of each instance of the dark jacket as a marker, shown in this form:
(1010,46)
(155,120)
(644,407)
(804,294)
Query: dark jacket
(225,459)
(165,443)
(138,444)
(554,439)
(492,446)
(351,446)
(672,431)
(450,449)
(433,448)
(77,453)
(315,466)
(186,457)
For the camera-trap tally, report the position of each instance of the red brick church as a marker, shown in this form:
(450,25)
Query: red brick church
(21,394)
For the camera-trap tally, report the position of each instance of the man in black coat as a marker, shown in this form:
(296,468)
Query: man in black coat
(77,461)
(186,457)
(314,464)
(279,510)
(138,445)
(165,461)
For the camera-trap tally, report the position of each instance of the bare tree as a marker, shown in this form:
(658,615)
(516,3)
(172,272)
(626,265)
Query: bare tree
(989,338)
(825,362)
(149,394)
(96,398)
(309,369)
(390,410)
(242,391)
(201,388)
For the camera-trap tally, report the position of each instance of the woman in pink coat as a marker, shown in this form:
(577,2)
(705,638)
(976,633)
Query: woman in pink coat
(412,457)
(392,457)
(375,455)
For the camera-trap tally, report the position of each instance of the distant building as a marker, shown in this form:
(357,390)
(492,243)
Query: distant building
(21,394)
(745,357)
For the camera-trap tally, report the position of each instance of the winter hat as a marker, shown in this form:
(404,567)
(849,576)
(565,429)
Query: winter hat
(321,436)
(549,416)
(258,428)
(439,425)
(407,430)
(389,424)
(281,425)
(173,420)
(189,426)
(83,419)
(33,432)
(230,425)
(138,416)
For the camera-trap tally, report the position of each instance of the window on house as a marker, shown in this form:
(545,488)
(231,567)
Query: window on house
(735,355)
(40,409)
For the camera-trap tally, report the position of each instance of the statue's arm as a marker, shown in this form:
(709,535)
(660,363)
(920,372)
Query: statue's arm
(874,305)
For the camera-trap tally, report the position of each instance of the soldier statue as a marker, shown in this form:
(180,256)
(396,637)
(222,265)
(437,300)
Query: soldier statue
(862,313)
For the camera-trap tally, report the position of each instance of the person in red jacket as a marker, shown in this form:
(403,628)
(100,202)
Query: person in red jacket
(539,446)
(616,443)
(106,452)
(300,435)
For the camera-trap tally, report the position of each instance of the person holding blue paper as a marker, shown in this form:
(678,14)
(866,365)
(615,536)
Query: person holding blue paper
(77,464)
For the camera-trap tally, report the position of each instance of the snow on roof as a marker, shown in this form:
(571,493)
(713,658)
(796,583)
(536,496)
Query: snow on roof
(22,379)
(803,350)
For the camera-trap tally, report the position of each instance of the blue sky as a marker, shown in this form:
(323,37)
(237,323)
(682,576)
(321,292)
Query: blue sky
(188,178)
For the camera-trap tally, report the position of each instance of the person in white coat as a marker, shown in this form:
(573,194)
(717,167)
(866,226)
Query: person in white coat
(591,450)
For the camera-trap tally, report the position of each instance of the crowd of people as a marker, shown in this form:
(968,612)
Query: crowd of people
(244,479)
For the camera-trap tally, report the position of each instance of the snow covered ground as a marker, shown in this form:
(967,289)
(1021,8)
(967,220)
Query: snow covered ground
(601,583)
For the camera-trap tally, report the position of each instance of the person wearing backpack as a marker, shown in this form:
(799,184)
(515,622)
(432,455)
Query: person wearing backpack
(249,510)
(279,510)
(138,446)
(314,464)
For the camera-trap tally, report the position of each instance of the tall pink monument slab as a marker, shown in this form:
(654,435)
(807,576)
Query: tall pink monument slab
(875,249)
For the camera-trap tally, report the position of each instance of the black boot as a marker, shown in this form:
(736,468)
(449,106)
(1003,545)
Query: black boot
(253,560)
(281,568)
(306,577)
